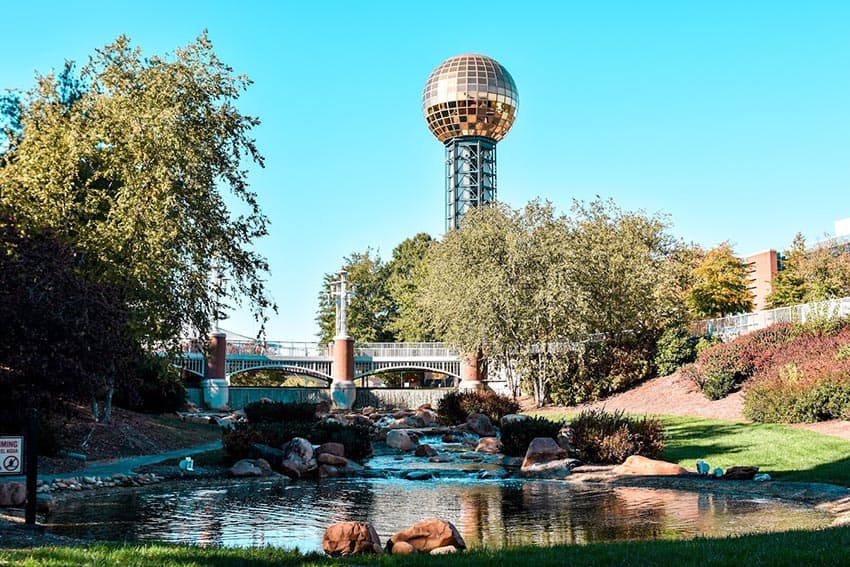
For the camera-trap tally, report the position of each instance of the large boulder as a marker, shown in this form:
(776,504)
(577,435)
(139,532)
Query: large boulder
(480,424)
(299,458)
(401,440)
(544,458)
(331,448)
(425,450)
(272,455)
(351,538)
(13,494)
(427,535)
(489,445)
(644,466)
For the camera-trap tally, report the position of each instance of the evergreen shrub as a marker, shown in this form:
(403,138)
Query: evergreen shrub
(675,348)
(608,438)
(455,407)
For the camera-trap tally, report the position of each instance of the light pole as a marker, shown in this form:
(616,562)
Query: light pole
(343,392)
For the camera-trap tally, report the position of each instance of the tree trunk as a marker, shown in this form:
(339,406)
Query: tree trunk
(107,407)
(95,407)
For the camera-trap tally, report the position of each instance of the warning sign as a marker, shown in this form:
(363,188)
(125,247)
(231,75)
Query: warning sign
(11,455)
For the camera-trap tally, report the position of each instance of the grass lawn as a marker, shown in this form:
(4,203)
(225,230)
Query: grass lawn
(824,547)
(786,453)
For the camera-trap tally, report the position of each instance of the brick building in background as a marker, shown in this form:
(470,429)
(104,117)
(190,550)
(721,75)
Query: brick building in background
(763,266)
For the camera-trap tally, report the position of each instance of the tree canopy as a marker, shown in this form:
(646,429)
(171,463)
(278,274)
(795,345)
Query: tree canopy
(811,274)
(720,285)
(125,161)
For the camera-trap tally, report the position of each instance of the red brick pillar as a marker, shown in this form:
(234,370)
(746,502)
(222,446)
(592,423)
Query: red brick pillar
(471,372)
(214,384)
(343,392)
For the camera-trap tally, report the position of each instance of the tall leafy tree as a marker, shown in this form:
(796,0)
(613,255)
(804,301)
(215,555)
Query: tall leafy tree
(721,285)
(811,274)
(370,305)
(127,161)
(404,273)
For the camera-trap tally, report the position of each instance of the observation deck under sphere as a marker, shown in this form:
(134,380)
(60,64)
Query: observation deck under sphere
(470,102)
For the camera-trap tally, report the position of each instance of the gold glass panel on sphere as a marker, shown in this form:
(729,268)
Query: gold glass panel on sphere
(470,95)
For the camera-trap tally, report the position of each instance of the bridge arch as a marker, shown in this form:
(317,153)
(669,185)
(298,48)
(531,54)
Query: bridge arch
(455,376)
(327,379)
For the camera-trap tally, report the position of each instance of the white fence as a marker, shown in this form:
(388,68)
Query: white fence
(730,327)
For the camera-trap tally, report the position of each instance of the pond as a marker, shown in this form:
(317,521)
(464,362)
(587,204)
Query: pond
(488,513)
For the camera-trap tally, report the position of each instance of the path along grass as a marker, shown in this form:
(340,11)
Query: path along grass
(786,453)
(824,547)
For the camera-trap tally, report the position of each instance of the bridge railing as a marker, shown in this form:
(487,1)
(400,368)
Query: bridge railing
(404,350)
(735,325)
(279,348)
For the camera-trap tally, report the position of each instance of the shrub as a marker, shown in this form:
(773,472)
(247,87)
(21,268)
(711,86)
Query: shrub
(675,348)
(156,387)
(516,435)
(705,343)
(788,399)
(455,407)
(239,442)
(608,438)
(277,412)
(722,369)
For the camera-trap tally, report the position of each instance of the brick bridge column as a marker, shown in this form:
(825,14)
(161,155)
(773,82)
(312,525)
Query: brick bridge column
(471,371)
(214,385)
(343,392)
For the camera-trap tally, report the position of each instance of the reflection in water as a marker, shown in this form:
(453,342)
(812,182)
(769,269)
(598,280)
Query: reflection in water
(487,513)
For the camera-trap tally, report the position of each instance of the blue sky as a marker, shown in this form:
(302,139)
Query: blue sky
(732,117)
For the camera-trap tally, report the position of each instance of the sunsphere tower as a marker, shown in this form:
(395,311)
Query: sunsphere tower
(470,102)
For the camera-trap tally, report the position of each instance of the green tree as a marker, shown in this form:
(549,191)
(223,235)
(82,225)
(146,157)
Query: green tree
(789,285)
(404,273)
(126,161)
(370,306)
(721,285)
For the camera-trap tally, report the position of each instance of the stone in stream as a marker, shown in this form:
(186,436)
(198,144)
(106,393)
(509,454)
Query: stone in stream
(489,445)
(425,450)
(545,459)
(426,536)
(245,467)
(480,424)
(402,440)
(351,538)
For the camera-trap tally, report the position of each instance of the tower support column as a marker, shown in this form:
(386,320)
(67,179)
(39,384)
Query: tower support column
(343,391)
(214,385)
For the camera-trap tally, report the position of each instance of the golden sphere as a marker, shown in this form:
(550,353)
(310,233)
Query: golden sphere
(470,95)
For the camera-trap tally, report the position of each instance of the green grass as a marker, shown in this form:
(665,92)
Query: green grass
(823,547)
(786,453)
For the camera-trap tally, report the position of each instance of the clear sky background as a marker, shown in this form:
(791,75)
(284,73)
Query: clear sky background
(733,117)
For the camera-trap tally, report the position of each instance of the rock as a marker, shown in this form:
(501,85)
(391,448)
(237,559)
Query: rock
(543,450)
(493,474)
(271,455)
(385,422)
(439,459)
(401,414)
(425,451)
(558,468)
(245,467)
(489,445)
(13,494)
(444,550)
(449,438)
(323,407)
(414,422)
(403,548)
(331,448)
(418,475)
(264,466)
(511,462)
(426,416)
(368,410)
(644,466)
(741,473)
(513,418)
(480,424)
(428,535)
(299,458)
(329,459)
(761,477)
(351,538)
(402,440)
(360,420)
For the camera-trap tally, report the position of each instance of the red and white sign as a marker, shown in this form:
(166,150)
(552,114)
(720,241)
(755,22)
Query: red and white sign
(11,455)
